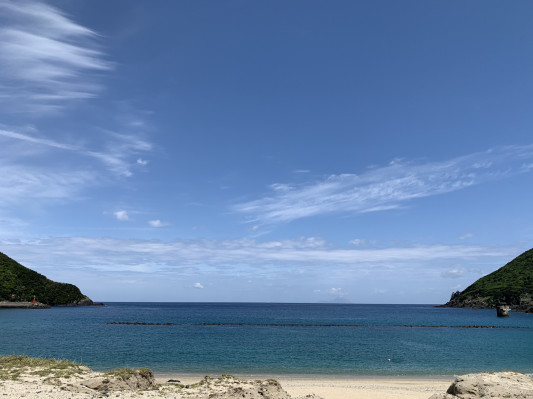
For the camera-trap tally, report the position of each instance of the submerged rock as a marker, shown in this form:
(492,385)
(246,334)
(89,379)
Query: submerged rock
(507,384)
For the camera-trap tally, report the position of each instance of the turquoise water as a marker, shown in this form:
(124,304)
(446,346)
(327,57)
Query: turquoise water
(264,338)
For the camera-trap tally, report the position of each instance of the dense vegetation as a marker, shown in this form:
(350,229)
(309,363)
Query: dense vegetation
(18,283)
(511,284)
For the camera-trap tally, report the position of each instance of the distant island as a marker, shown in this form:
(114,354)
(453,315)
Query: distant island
(511,285)
(21,287)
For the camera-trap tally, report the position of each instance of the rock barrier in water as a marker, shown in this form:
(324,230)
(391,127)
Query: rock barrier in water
(139,323)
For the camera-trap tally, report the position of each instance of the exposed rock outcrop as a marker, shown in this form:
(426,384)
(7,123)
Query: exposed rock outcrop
(128,379)
(506,384)
(85,301)
(25,377)
(229,387)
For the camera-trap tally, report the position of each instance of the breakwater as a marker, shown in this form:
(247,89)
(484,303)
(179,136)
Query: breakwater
(143,323)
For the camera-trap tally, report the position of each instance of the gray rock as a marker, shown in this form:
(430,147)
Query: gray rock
(106,383)
(506,384)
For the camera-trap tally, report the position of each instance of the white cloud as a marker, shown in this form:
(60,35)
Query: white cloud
(20,184)
(115,154)
(157,223)
(46,59)
(198,285)
(152,255)
(357,242)
(385,188)
(37,140)
(118,149)
(336,291)
(466,235)
(38,171)
(142,162)
(455,272)
(121,215)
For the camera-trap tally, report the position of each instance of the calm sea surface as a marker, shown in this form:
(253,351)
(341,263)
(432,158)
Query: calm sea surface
(265,338)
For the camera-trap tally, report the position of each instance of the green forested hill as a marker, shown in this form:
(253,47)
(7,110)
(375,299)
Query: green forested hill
(18,283)
(511,284)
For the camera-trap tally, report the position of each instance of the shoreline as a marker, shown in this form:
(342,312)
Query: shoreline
(22,377)
(23,305)
(341,387)
(173,375)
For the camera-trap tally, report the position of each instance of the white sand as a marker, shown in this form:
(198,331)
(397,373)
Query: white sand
(36,387)
(366,388)
(350,387)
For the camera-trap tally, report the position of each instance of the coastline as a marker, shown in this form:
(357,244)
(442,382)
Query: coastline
(305,377)
(342,386)
(366,388)
(38,378)
(23,305)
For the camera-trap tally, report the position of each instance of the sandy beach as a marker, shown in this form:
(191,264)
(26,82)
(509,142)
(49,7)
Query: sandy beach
(296,387)
(37,378)
(331,387)
(365,388)
(23,377)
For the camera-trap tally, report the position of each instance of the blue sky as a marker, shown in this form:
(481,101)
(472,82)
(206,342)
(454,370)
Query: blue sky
(302,151)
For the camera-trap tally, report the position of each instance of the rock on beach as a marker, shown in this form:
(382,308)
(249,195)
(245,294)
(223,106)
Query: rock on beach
(51,379)
(507,384)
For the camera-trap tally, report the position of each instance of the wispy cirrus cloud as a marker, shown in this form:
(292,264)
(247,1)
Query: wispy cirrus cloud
(248,267)
(110,254)
(20,183)
(36,140)
(118,153)
(387,187)
(46,59)
(32,175)
(36,168)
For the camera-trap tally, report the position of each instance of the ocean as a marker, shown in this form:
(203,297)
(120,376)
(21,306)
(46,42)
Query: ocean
(274,338)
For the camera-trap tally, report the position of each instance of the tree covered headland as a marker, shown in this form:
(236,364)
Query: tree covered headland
(19,284)
(511,284)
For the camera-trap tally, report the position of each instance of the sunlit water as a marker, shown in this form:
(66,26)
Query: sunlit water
(264,338)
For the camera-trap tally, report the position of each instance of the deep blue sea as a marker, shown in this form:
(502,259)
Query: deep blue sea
(274,339)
